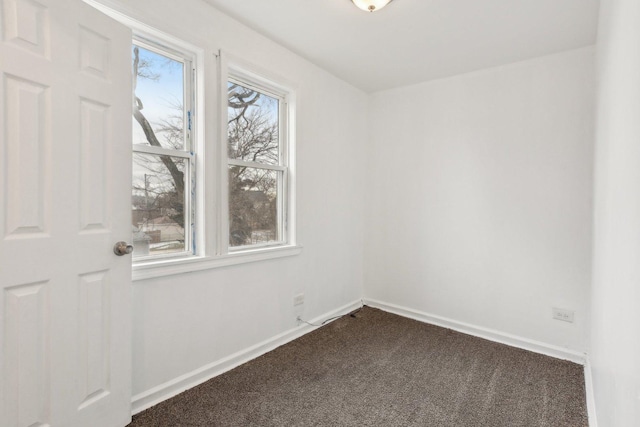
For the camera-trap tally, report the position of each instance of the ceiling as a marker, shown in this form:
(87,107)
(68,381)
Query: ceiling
(411,41)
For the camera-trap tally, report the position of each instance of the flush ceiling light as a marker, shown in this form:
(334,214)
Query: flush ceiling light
(371,5)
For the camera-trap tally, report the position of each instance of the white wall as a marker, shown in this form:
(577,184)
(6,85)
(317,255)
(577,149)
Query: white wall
(479,204)
(615,333)
(184,322)
(475,191)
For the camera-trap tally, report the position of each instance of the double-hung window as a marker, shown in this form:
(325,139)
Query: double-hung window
(163,151)
(258,163)
(207,193)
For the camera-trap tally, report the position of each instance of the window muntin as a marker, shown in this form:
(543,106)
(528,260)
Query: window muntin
(163,158)
(258,172)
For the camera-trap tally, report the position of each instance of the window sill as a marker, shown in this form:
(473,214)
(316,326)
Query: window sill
(151,269)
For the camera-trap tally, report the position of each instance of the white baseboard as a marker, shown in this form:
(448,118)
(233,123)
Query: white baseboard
(157,394)
(481,332)
(171,388)
(588,386)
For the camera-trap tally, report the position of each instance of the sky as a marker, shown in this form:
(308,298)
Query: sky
(159,94)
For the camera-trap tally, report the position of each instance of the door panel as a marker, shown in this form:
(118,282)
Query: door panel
(26,335)
(26,154)
(65,177)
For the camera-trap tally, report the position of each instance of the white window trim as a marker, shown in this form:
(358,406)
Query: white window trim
(212,235)
(233,67)
(192,264)
(240,75)
(193,146)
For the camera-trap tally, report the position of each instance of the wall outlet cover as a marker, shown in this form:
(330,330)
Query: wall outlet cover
(563,314)
(298,299)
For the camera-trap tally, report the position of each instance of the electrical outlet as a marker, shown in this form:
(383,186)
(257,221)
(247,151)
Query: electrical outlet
(562,314)
(298,299)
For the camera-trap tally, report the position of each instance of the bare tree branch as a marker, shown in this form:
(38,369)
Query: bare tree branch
(176,174)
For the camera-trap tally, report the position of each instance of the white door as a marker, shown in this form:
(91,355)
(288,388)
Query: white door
(65,126)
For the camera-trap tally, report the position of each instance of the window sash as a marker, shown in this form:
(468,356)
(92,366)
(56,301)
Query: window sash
(187,232)
(236,76)
(187,152)
(188,85)
(281,215)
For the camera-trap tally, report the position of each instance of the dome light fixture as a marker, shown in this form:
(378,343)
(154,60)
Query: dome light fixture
(371,5)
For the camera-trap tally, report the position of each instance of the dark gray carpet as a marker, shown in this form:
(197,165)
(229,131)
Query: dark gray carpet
(379,369)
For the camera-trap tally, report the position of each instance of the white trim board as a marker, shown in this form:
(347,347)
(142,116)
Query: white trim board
(164,391)
(481,332)
(588,386)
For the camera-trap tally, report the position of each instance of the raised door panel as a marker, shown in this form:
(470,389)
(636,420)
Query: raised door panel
(95,125)
(94,331)
(26,158)
(94,53)
(26,352)
(26,25)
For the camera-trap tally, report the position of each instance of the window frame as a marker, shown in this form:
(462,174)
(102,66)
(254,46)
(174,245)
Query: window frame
(190,150)
(282,167)
(235,68)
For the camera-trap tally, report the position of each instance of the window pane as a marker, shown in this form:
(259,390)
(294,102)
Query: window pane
(253,125)
(158,113)
(158,204)
(253,206)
